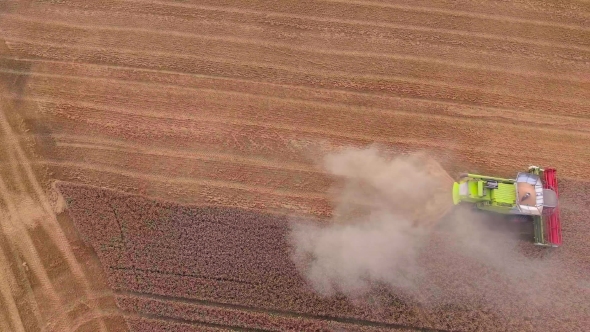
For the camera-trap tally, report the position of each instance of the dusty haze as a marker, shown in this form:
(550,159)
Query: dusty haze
(385,232)
(381,221)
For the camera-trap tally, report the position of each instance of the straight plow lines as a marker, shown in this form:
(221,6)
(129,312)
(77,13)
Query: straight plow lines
(167,319)
(7,299)
(366,23)
(232,120)
(207,182)
(453,12)
(489,112)
(23,239)
(280,67)
(256,42)
(26,247)
(89,143)
(283,13)
(283,127)
(294,128)
(270,312)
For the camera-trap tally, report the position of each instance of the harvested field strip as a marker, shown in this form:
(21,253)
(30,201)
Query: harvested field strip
(196,181)
(101,113)
(293,76)
(557,14)
(286,56)
(188,192)
(430,9)
(106,76)
(244,317)
(116,321)
(393,47)
(512,11)
(62,87)
(186,125)
(89,142)
(339,15)
(262,141)
(342,100)
(234,104)
(281,115)
(225,171)
(93,142)
(192,43)
(273,176)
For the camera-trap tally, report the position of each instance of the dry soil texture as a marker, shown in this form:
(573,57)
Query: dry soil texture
(218,101)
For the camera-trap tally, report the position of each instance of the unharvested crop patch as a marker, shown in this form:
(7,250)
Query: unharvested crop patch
(225,266)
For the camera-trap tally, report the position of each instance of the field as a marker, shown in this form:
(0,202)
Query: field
(153,152)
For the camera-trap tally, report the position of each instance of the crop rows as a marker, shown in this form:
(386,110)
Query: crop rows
(222,315)
(241,258)
(138,323)
(214,254)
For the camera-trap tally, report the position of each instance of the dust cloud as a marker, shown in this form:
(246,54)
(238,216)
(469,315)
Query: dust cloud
(392,227)
(382,218)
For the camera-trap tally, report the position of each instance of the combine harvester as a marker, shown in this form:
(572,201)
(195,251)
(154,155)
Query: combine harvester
(533,195)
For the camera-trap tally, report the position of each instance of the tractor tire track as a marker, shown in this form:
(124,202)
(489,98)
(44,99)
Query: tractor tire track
(348,322)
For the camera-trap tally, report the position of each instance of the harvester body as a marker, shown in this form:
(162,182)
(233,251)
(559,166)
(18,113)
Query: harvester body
(532,193)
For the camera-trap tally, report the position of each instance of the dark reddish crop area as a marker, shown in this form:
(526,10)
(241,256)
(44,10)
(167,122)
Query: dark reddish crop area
(174,267)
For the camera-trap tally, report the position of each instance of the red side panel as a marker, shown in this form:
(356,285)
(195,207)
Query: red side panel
(553,222)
